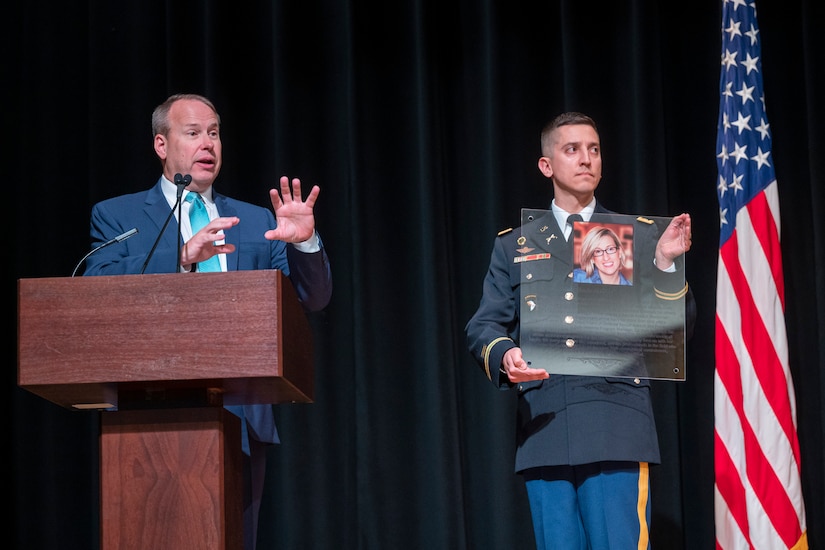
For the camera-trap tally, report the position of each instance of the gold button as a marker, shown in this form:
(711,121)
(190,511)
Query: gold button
(568,319)
(568,296)
(570,343)
(528,276)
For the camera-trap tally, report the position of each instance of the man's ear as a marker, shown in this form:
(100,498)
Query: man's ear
(160,146)
(545,167)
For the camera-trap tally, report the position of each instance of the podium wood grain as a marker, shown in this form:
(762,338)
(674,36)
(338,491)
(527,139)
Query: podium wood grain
(160,355)
(239,337)
(171,479)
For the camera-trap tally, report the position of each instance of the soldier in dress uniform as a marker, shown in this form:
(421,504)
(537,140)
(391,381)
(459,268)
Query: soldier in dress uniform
(584,443)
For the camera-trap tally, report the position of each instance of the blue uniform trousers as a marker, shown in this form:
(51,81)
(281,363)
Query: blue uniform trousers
(599,506)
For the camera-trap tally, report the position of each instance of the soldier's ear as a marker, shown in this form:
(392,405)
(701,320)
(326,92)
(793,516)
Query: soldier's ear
(545,167)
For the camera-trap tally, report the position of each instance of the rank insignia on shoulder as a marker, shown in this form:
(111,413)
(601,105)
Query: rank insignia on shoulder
(504,231)
(644,220)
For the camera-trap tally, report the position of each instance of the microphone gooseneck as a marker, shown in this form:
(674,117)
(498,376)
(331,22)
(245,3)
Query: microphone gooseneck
(181,182)
(120,238)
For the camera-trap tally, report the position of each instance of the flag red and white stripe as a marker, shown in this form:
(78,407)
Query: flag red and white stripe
(758,494)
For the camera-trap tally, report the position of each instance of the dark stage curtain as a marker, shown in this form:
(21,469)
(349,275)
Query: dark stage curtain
(420,121)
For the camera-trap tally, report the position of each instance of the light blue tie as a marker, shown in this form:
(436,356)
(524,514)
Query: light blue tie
(198,218)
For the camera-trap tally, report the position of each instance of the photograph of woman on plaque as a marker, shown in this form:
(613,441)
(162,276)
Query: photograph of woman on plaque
(604,257)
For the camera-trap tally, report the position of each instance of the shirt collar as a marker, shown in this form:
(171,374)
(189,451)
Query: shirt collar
(561,215)
(170,192)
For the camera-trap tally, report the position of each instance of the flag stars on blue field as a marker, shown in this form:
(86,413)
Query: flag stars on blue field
(739,152)
(763,128)
(742,108)
(741,123)
(750,64)
(729,59)
(733,29)
(746,93)
(761,158)
(752,34)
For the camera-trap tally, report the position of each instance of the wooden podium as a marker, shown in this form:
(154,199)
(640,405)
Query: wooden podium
(159,356)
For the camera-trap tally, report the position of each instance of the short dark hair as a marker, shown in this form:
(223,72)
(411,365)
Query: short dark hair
(564,119)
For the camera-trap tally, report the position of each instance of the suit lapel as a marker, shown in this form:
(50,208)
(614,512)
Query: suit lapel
(157,209)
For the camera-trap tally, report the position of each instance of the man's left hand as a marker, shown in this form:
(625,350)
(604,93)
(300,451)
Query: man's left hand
(295,217)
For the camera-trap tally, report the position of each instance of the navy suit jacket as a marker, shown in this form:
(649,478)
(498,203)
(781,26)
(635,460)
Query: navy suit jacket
(147,211)
(566,419)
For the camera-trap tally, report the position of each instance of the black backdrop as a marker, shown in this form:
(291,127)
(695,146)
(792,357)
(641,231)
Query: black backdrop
(420,121)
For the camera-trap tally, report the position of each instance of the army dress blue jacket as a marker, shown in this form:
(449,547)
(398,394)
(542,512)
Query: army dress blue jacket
(570,419)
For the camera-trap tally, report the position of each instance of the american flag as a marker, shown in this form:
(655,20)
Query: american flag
(758,495)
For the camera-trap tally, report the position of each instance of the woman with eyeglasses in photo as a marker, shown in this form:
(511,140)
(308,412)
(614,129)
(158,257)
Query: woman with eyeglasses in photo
(602,258)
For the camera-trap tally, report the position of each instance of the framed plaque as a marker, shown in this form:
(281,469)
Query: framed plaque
(596,304)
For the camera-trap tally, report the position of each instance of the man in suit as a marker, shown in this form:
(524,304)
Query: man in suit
(584,443)
(240,235)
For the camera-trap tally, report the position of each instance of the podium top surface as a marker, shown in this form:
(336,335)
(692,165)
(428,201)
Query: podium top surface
(238,337)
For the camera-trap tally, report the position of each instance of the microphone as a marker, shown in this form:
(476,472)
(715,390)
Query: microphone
(120,238)
(181,182)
